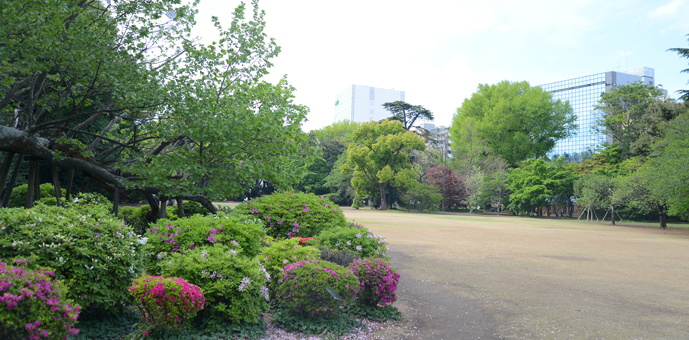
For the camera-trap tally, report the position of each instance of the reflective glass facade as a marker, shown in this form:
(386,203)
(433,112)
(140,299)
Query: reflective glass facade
(582,94)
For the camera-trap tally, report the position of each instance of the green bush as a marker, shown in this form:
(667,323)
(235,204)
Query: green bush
(33,306)
(192,208)
(354,238)
(290,214)
(88,247)
(18,197)
(357,203)
(85,198)
(166,303)
(343,257)
(302,287)
(234,286)
(179,236)
(279,254)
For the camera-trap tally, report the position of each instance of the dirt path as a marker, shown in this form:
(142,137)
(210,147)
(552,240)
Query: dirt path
(476,277)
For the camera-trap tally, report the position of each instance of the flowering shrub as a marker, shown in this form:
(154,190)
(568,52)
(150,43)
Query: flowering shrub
(234,286)
(304,241)
(378,281)
(279,254)
(291,214)
(356,239)
(167,237)
(343,257)
(85,198)
(166,303)
(88,248)
(33,306)
(302,287)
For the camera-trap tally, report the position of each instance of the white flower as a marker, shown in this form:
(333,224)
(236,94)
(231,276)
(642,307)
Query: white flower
(358,235)
(349,243)
(358,248)
(60,259)
(143,240)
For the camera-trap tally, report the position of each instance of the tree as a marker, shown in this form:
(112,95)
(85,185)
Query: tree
(515,120)
(473,185)
(339,131)
(634,115)
(449,184)
(528,184)
(340,184)
(684,53)
(468,148)
(423,195)
(378,158)
(495,187)
(637,190)
(599,191)
(407,114)
(183,119)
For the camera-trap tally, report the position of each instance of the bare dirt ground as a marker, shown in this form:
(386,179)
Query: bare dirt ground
(500,277)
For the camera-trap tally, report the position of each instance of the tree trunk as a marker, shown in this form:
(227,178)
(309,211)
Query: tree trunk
(663,217)
(37,184)
(13,181)
(163,207)
(56,184)
(612,209)
(68,189)
(180,208)
(383,202)
(6,165)
(31,183)
(151,215)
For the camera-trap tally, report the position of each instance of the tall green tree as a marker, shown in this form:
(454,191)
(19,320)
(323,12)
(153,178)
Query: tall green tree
(407,114)
(684,53)
(340,131)
(515,120)
(634,114)
(377,157)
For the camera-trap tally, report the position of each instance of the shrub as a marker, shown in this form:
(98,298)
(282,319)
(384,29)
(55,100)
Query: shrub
(355,239)
(234,286)
(378,281)
(357,203)
(18,197)
(279,254)
(343,257)
(192,208)
(166,303)
(91,250)
(134,217)
(85,198)
(179,236)
(290,214)
(302,287)
(33,306)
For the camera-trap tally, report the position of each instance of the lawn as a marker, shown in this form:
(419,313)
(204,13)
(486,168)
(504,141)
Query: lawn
(465,276)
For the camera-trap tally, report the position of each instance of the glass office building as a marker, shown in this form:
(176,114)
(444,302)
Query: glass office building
(583,94)
(359,103)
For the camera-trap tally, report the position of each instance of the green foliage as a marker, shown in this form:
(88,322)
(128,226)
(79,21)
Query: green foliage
(313,180)
(279,254)
(18,197)
(166,237)
(336,324)
(85,198)
(234,286)
(339,183)
(166,303)
(373,313)
(106,327)
(355,239)
(684,53)
(302,287)
(340,131)
(634,115)
(226,330)
(88,248)
(474,185)
(358,202)
(538,183)
(33,305)
(135,218)
(407,114)
(424,196)
(378,158)
(514,120)
(289,214)
(191,208)
(343,257)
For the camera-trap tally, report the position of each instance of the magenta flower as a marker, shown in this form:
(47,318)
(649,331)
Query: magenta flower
(296,225)
(280,222)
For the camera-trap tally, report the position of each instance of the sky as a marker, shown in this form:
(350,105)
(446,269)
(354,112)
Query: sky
(438,52)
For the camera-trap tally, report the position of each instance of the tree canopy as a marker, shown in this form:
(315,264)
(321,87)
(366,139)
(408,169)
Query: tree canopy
(407,114)
(378,158)
(516,121)
(684,53)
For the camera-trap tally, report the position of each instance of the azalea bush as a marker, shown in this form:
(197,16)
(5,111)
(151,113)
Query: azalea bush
(280,254)
(378,281)
(135,217)
(302,287)
(92,251)
(234,286)
(355,239)
(33,305)
(166,237)
(290,214)
(166,303)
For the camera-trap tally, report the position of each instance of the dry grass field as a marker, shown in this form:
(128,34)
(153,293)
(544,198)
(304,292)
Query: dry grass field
(501,277)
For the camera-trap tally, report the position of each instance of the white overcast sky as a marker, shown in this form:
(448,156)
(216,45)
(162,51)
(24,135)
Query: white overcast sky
(439,51)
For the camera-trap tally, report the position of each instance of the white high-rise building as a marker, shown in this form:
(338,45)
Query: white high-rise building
(359,103)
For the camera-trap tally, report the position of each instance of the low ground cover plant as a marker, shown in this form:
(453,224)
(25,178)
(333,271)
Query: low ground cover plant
(378,281)
(33,305)
(91,250)
(166,303)
(302,287)
(290,214)
(280,254)
(166,237)
(355,239)
(234,286)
